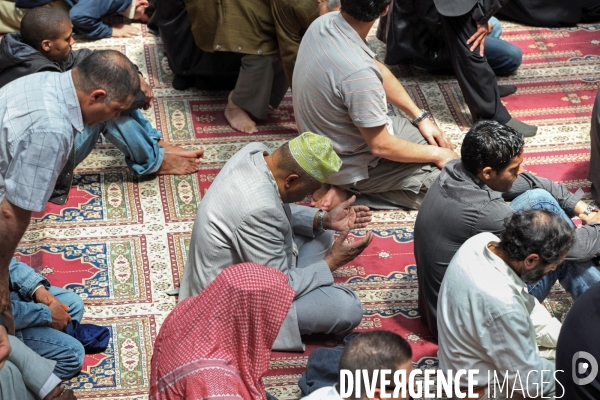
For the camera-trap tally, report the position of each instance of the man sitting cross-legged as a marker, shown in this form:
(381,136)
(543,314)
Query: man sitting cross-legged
(45,45)
(248,215)
(341,91)
(486,319)
(469,197)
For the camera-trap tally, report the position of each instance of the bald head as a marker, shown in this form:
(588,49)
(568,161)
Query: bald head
(109,70)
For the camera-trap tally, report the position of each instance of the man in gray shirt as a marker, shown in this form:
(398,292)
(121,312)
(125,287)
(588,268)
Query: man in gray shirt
(469,197)
(342,92)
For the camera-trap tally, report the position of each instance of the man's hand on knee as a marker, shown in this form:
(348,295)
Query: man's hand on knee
(342,251)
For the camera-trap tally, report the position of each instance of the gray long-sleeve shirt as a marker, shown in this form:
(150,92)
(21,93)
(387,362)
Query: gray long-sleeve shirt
(458,206)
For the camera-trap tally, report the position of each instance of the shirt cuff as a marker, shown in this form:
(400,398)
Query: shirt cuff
(52,382)
(572,202)
(35,289)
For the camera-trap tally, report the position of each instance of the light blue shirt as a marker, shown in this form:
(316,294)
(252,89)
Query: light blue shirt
(39,117)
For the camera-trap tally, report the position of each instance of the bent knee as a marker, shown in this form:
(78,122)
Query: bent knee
(350,315)
(70,361)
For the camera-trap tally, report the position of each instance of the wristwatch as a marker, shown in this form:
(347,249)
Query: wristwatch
(420,118)
(590,209)
(320,220)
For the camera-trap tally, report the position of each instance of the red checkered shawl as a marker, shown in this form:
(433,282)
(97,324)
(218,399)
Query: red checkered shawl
(218,344)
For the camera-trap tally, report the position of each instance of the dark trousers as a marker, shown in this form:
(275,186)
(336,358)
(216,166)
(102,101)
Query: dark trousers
(474,74)
(594,171)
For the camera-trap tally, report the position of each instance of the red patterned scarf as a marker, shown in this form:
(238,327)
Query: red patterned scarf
(218,344)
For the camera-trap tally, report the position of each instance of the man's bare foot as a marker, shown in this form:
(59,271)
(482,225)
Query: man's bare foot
(238,118)
(180,151)
(60,393)
(174,164)
(332,198)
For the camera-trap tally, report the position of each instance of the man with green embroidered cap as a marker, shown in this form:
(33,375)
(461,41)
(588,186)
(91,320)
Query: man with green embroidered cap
(248,215)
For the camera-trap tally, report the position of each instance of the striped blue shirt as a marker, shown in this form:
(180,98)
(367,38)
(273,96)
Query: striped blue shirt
(39,117)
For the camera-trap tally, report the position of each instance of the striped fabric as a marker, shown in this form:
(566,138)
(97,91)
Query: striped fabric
(39,116)
(337,88)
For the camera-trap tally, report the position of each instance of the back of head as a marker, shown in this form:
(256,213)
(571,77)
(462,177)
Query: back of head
(111,71)
(375,350)
(490,144)
(365,10)
(539,232)
(43,23)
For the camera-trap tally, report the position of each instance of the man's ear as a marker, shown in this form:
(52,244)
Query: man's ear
(46,45)
(487,172)
(142,3)
(291,180)
(387,9)
(97,95)
(531,261)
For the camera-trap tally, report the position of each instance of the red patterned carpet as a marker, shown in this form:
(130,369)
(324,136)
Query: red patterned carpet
(121,242)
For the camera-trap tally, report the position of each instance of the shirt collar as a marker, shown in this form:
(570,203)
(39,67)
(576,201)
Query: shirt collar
(348,31)
(71,100)
(499,264)
(260,156)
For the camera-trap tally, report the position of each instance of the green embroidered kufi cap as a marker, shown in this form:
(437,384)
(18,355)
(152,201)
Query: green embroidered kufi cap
(315,154)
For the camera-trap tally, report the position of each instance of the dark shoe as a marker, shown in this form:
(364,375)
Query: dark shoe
(506,90)
(182,82)
(522,128)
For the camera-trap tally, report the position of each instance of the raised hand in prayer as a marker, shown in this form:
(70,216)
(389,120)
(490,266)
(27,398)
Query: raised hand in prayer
(4,346)
(343,251)
(346,217)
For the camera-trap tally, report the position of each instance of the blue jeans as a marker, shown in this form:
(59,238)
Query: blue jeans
(132,134)
(55,345)
(575,277)
(503,57)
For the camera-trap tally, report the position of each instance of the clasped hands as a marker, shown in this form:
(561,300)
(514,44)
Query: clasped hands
(343,218)
(58,310)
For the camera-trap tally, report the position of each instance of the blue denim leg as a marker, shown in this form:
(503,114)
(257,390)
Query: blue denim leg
(86,140)
(138,140)
(575,277)
(55,345)
(496,28)
(504,58)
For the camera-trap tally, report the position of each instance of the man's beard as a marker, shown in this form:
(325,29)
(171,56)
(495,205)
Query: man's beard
(534,275)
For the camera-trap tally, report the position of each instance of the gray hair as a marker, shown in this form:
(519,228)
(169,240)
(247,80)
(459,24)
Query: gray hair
(111,71)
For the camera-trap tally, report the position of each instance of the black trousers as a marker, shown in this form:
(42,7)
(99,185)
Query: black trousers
(475,76)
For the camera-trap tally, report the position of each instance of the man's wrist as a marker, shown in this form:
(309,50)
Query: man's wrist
(420,118)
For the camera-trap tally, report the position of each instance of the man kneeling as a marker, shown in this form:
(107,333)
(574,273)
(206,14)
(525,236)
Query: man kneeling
(486,319)
(248,215)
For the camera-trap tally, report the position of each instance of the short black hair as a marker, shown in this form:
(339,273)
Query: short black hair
(490,144)
(109,70)
(375,350)
(43,23)
(365,10)
(540,232)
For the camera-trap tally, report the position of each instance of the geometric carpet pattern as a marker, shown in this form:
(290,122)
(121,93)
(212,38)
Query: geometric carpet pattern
(121,241)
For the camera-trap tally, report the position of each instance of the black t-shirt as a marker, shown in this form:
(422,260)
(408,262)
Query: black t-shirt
(580,339)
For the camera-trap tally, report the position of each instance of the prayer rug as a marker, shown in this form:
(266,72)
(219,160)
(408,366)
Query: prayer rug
(121,241)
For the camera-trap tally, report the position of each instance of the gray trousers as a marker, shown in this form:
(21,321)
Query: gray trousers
(24,374)
(260,84)
(327,309)
(594,170)
(391,184)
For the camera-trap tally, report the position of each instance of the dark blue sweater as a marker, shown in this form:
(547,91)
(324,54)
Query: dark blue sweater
(87,15)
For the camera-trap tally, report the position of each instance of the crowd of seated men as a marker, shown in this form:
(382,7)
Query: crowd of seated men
(490,239)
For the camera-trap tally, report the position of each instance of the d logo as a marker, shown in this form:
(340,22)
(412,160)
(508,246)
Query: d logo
(589,365)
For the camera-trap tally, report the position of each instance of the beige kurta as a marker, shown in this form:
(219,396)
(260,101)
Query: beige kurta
(260,27)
